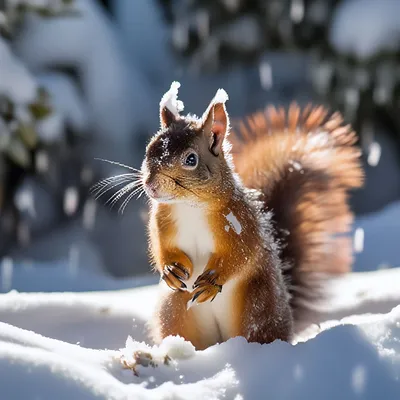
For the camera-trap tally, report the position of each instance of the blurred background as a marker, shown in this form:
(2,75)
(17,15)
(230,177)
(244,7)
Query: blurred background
(82,79)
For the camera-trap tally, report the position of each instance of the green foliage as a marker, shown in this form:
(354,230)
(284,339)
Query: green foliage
(13,12)
(17,128)
(18,135)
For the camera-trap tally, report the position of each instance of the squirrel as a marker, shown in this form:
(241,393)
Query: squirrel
(244,229)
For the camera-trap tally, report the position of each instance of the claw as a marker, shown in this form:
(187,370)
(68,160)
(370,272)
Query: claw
(205,288)
(183,270)
(208,277)
(168,282)
(173,275)
(193,301)
(190,304)
(219,291)
(171,271)
(195,297)
(207,292)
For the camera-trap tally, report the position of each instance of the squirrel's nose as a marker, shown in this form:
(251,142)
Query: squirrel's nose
(149,182)
(151,187)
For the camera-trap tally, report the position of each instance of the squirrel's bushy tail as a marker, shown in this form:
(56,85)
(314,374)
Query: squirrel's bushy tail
(304,162)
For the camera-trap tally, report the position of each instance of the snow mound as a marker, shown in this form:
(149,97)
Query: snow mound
(170,100)
(53,345)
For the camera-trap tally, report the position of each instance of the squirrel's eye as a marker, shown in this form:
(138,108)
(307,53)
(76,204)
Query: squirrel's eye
(191,160)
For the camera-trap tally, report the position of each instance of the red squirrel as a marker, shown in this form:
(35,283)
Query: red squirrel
(242,229)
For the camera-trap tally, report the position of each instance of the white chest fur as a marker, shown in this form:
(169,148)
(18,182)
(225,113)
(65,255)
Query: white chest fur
(196,239)
(194,236)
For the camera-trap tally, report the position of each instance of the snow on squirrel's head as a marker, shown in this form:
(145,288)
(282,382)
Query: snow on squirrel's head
(185,156)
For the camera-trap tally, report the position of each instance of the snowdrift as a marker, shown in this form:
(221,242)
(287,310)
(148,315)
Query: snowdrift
(92,345)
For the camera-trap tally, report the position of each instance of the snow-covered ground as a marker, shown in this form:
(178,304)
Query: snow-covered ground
(79,345)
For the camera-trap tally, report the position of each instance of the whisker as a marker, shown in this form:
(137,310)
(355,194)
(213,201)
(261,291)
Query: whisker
(103,190)
(127,200)
(138,193)
(119,164)
(107,181)
(112,178)
(126,189)
(132,185)
(106,186)
(117,196)
(141,193)
(138,189)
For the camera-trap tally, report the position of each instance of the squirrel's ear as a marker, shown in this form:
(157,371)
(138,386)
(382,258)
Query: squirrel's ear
(166,117)
(216,121)
(170,106)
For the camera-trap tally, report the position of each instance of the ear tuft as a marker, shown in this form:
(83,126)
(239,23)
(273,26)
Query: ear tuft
(216,121)
(170,106)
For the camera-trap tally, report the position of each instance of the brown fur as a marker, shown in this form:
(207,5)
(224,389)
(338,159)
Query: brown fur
(172,318)
(245,257)
(301,165)
(304,181)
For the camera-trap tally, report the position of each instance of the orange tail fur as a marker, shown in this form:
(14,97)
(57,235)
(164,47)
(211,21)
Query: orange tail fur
(304,163)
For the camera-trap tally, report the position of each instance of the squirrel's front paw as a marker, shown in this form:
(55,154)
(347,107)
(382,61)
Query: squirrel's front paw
(205,288)
(174,275)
